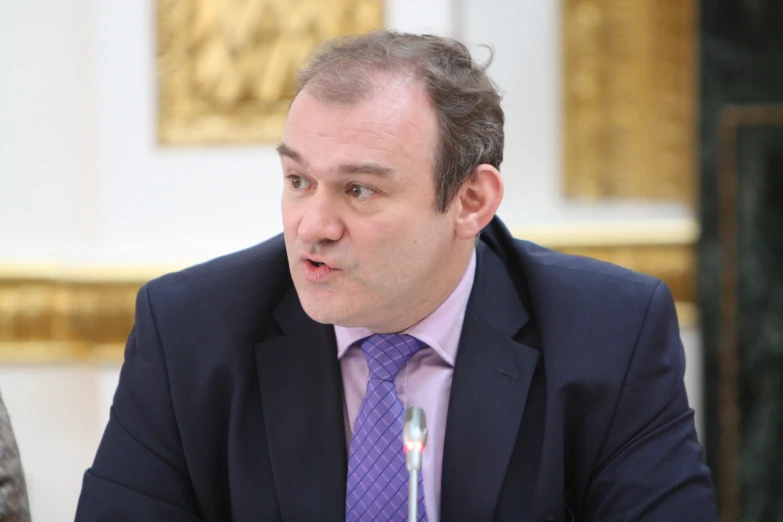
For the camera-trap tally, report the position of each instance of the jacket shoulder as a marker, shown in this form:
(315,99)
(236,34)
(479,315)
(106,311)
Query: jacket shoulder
(264,265)
(588,310)
(268,254)
(533,266)
(549,263)
(233,294)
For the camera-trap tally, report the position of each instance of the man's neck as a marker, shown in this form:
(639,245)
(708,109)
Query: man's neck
(410,318)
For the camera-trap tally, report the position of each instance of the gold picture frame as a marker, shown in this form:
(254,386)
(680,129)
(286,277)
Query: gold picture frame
(227,68)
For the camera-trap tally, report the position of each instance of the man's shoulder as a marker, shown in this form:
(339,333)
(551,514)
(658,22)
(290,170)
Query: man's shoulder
(230,280)
(552,266)
(577,297)
(550,273)
(589,313)
(588,317)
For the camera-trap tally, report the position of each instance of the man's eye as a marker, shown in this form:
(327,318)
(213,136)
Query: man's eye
(360,191)
(297,182)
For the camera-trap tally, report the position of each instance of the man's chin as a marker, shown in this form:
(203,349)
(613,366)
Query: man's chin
(323,314)
(329,306)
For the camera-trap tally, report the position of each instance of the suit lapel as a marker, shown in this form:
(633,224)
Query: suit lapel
(489,390)
(302,402)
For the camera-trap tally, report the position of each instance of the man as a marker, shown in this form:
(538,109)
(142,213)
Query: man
(13,491)
(270,384)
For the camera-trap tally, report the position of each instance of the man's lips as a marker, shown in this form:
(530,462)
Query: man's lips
(316,270)
(317,261)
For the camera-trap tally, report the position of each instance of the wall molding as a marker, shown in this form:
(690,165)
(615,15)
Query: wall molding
(57,313)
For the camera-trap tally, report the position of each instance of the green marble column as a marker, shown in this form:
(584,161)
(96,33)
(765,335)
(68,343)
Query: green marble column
(741,280)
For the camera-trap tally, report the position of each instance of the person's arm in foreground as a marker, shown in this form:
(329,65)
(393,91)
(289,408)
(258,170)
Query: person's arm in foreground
(13,492)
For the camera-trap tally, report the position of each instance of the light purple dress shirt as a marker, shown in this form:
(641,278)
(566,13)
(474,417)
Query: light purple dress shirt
(425,381)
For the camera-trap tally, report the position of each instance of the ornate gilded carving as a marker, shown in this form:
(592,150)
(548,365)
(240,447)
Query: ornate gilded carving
(630,99)
(45,319)
(226,68)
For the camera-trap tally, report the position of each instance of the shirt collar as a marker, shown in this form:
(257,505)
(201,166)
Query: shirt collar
(440,330)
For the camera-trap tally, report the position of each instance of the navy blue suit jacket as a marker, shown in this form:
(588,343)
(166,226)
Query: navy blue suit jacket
(567,400)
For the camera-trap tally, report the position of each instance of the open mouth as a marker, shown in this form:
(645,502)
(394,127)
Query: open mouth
(316,271)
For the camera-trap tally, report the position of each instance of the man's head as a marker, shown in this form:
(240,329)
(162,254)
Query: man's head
(390,153)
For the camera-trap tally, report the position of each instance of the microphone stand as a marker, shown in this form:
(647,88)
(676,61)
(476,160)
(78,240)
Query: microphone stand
(414,437)
(413,495)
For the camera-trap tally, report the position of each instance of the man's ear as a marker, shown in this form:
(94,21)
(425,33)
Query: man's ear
(478,200)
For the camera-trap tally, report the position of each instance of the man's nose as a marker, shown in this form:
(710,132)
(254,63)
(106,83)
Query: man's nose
(320,221)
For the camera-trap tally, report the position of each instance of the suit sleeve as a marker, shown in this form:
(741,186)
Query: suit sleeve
(650,467)
(139,472)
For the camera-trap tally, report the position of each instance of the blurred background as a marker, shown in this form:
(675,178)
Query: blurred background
(136,137)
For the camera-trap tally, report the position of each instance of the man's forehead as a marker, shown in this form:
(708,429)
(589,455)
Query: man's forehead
(398,102)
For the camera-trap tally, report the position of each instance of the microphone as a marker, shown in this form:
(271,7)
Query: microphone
(414,437)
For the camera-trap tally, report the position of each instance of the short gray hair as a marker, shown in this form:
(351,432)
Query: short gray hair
(467,102)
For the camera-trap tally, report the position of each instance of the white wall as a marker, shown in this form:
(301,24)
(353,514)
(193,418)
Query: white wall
(47,146)
(82,180)
(56,416)
(525,35)
(691,340)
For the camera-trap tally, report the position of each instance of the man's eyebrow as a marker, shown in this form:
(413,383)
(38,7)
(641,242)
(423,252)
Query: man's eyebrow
(348,168)
(285,150)
(365,168)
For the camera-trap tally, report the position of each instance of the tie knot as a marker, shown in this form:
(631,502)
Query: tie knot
(386,354)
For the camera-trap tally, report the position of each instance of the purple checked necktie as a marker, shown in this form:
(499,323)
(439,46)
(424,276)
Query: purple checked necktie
(377,476)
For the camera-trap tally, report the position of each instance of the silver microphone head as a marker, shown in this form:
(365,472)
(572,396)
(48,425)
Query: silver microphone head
(414,426)
(414,436)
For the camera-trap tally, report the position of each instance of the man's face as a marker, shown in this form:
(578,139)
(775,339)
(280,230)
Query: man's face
(366,245)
